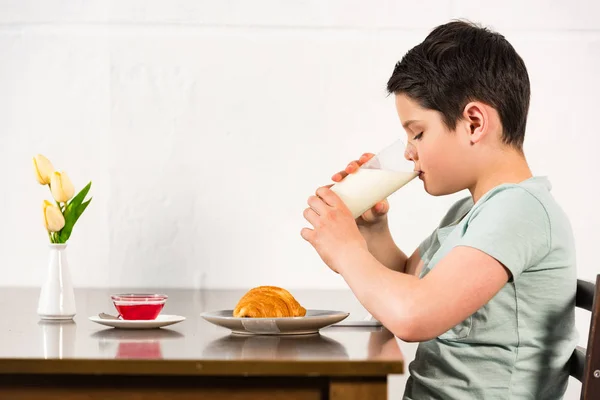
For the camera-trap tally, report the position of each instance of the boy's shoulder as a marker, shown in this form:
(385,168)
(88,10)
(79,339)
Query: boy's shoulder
(517,224)
(531,197)
(520,225)
(523,208)
(538,187)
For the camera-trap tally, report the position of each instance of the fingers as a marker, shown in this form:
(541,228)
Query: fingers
(311,216)
(328,196)
(352,167)
(320,204)
(365,157)
(307,234)
(338,176)
(317,205)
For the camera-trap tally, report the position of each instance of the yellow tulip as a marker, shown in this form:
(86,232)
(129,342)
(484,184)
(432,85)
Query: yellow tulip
(61,186)
(43,169)
(54,221)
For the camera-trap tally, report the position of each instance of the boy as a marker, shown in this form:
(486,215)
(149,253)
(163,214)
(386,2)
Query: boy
(490,294)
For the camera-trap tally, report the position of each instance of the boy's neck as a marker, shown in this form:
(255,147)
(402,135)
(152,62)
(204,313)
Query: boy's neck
(507,167)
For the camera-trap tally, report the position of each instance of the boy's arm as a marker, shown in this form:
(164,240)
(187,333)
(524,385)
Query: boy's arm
(414,264)
(421,309)
(382,246)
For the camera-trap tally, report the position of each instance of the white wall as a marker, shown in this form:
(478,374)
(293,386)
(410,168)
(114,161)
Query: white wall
(205,125)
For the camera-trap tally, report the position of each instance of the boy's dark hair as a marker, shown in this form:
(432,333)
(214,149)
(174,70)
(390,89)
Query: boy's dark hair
(459,62)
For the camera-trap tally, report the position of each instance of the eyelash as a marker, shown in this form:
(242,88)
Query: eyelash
(418,137)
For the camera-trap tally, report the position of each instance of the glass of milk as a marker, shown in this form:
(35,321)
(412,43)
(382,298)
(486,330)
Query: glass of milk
(376,179)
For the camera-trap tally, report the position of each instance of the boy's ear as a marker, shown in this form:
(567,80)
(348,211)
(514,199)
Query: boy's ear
(476,118)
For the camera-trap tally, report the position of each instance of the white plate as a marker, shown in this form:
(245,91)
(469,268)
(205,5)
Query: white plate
(368,320)
(310,323)
(160,321)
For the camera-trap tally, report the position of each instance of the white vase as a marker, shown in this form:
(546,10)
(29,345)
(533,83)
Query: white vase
(57,299)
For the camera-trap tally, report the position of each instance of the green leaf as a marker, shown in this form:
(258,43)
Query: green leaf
(65,233)
(73,211)
(76,201)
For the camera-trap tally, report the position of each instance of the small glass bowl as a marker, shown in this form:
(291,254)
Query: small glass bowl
(139,306)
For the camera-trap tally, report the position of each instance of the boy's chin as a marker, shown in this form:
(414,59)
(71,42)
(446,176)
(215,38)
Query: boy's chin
(433,193)
(439,191)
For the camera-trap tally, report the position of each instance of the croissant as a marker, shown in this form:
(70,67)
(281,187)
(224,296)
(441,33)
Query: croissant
(268,302)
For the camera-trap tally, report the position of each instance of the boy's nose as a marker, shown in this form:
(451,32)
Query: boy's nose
(410,153)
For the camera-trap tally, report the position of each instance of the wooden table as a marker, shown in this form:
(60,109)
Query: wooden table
(190,360)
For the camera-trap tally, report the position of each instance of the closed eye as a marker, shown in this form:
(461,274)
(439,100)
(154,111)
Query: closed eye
(418,137)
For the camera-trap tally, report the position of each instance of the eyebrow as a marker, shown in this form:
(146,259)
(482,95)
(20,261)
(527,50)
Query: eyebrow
(408,123)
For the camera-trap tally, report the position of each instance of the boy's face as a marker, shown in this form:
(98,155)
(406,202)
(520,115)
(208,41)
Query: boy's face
(439,154)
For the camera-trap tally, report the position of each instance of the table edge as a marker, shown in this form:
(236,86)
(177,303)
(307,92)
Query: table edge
(19,366)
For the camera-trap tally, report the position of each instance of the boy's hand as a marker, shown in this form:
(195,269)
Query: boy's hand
(334,234)
(377,215)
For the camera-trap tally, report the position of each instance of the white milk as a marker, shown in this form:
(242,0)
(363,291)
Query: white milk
(363,189)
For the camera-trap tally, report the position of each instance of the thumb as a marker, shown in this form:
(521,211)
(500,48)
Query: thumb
(381,208)
(378,210)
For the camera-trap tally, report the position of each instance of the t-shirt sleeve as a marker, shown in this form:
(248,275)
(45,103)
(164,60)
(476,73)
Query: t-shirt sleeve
(513,227)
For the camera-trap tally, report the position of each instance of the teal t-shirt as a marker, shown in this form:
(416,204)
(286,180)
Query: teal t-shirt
(518,345)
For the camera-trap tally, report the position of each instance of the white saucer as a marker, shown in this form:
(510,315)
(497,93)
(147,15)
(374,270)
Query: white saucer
(160,321)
